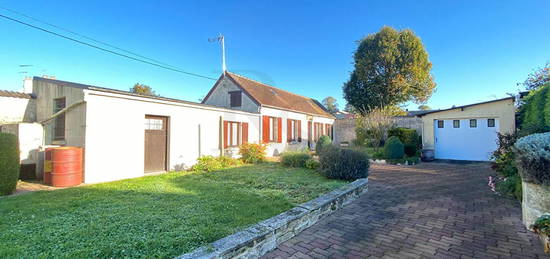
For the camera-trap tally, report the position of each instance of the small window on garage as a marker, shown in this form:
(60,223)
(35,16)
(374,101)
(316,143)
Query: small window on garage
(456,123)
(490,123)
(440,124)
(473,123)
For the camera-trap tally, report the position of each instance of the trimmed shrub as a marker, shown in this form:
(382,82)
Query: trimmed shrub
(407,136)
(312,164)
(345,164)
(410,149)
(252,153)
(9,163)
(394,149)
(534,114)
(533,158)
(212,163)
(323,142)
(294,159)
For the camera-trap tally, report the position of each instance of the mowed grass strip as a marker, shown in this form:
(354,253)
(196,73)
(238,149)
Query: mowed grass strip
(152,216)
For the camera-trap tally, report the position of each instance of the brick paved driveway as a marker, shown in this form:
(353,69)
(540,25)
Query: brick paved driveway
(431,210)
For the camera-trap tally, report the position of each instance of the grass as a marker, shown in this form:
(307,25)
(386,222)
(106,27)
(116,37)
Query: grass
(153,216)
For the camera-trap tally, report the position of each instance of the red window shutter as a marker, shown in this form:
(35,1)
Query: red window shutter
(245,133)
(288,130)
(265,129)
(309,135)
(300,131)
(225,129)
(280,130)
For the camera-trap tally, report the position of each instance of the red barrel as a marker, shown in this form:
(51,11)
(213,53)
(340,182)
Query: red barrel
(66,166)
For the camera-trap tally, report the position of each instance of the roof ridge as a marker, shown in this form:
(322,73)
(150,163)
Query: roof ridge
(247,78)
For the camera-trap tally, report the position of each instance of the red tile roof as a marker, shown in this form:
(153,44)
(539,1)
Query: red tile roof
(270,96)
(6,93)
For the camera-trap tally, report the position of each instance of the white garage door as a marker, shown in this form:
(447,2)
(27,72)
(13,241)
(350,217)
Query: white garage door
(466,139)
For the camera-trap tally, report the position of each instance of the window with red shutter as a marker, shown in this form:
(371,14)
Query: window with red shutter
(245,133)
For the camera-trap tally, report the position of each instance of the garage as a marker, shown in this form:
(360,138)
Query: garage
(468,132)
(466,139)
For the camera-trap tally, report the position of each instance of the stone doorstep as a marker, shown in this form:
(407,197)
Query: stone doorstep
(264,236)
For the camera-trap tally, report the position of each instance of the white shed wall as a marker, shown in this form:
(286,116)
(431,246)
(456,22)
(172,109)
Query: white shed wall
(115,133)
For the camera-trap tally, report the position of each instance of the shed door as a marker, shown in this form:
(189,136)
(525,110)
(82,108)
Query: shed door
(156,136)
(471,139)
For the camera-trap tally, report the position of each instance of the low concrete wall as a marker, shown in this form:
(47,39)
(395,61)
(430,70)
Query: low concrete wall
(536,202)
(265,236)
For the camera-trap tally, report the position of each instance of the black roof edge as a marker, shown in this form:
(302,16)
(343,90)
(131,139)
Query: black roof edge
(468,105)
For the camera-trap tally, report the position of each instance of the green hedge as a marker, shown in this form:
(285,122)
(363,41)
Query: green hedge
(407,136)
(294,158)
(394,149)
(9,163)
(346,164)
(323,142)
(534,114)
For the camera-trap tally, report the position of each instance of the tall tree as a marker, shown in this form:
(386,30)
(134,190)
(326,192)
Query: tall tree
(538,78)
(349,108)
(330,104)
(424,107)
(391,67)
(142,89)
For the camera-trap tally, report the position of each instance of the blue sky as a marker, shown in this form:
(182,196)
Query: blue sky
(479,49)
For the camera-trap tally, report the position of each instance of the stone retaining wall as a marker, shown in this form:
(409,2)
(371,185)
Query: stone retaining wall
(263,237)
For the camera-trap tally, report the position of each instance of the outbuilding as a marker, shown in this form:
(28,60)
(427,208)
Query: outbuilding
(468,132)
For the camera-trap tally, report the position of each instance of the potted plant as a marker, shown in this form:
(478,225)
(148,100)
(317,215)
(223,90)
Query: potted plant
(542,227)
(532,154)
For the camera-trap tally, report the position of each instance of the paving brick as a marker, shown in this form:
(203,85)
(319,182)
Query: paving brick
(432,210)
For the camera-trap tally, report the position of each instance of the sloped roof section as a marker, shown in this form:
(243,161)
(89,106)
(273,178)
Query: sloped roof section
(6,93)
(274,97)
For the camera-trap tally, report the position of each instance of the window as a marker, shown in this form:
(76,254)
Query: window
(473,123)
(440,124)
(234,134)
(235,98)
(318,130)
(490,123)
(59,124)
(153,124)
(329,130)
(456,124)
(273,129)
(293,130)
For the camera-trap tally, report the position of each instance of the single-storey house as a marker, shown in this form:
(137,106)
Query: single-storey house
(288,120)
(468,132)
(127,135)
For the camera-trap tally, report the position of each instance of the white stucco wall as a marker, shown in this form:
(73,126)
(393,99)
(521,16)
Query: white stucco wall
(115,133)
(13,110)
(274,149)
(220,97)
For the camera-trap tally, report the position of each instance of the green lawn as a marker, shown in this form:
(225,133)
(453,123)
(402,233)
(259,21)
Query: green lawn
(153,216)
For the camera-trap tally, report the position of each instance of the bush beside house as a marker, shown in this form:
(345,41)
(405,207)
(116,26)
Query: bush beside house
(9,163)
(252,153)
(323,143)
(534,114)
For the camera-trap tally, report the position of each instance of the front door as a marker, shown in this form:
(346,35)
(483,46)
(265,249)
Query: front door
(309,140)
(156,136)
